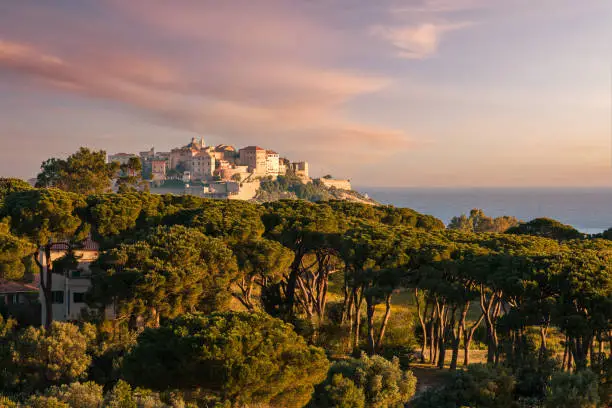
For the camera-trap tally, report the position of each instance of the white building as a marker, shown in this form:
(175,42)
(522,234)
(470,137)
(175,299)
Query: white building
(272,163)
(69,288)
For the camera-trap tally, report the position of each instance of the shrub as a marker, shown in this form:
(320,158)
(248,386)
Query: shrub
(40,358)
(579,390)
(343,393)
(479,386)
(39,401)
(382,382)
(77,395)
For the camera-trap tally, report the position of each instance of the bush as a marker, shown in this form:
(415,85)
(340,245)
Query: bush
(382,382)
(39,401)
(40,358)
(343,393)
(579,390)
(479,386)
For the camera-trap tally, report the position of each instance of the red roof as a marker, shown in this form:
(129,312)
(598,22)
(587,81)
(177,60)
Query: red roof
(17,287)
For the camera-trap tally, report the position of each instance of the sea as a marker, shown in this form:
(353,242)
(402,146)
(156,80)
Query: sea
(587,209)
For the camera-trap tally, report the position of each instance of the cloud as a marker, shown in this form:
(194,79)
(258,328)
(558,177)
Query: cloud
(262,100)
(417,42)
(270,72)
(442,6)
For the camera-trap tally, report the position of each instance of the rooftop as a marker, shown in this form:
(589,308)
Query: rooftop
(88,245)
(252,148)
(17,287)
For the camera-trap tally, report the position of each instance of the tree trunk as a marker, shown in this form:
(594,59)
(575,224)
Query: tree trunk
(467,340)
(565,353)
(358,294)
(422,321)
(433,348)
(383,326)
(457,335)
(46,281)
(442,327)
(543,332)
(371,308)
(487,307)
(292,284)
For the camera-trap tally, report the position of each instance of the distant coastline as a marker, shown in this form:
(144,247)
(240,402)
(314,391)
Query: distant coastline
(587,209)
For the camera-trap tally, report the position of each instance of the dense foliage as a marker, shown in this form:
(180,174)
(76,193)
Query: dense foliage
(84,172)
(225,302)
(366,382)
(241,358)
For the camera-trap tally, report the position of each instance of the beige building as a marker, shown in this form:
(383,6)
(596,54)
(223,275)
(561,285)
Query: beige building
(158,169)
(202,165)
(180,157)
(334,183)
(300,169)
(255,158)
(228,152)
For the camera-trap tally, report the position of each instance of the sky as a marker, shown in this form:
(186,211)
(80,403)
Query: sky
(424,93)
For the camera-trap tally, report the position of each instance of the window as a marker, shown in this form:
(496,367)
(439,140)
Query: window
(57,297)
(75,274)
(78,297)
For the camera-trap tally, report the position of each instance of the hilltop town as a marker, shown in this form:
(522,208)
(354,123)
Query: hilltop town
(225,172)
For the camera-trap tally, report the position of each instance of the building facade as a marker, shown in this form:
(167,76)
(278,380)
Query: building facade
(69,288)
(255,158)
(159,168)
(272,163)
(202,165)
(300,169)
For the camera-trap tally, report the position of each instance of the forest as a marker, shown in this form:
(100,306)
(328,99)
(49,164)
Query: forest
(299,304)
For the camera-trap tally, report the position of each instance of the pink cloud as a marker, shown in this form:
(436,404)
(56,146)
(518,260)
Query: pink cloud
(260,99)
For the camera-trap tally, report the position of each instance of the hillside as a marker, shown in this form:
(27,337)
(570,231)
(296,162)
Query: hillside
(292,187)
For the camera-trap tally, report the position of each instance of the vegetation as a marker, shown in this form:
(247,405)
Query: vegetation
(84,172)
(130,175)
(236,304)
(242,358)
(366,382)
(477,221)
(290,186)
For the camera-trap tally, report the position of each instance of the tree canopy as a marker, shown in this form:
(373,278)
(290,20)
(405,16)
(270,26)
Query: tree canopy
(242,358)
(84,172)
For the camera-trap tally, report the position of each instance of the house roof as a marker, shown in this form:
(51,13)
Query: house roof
(87,245)
(252,148)
(17,287)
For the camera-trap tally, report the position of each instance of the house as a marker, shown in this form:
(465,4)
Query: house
(69,288)
(20,300)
